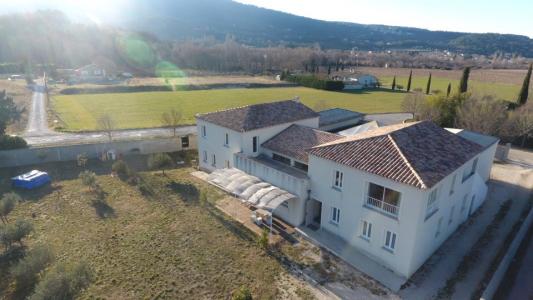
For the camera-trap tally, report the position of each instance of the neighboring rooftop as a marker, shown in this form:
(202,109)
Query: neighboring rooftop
(359,129)
(337,115)
(295,140)
(419,154)
(258,116)
(484,140)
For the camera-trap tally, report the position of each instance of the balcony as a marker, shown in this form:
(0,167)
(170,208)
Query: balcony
(382,206)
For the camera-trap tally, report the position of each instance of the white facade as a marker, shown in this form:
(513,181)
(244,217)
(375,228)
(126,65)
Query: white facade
(415,227)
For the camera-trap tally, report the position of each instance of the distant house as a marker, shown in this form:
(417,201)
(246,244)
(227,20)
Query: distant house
(358,82)
(91,73)
(393,193)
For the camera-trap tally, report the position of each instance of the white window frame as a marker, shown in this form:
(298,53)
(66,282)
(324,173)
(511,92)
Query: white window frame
(452,187)
(205,156)
(338,177)
(335,215)
(390,240)
(204,131)
(366,230)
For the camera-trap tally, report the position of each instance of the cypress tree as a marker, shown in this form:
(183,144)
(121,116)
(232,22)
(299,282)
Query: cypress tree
(329,69)
(394,83)
(463,84)
(449,90)
(409,81)
(524,91)
(428,87)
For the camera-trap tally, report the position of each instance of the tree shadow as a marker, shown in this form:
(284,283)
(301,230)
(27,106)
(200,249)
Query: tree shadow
(103,210)
(187,191)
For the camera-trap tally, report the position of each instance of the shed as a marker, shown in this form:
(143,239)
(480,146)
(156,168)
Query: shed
(31,180)
(338,118)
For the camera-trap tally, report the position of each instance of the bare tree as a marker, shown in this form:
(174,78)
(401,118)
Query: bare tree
(413,103)
(520,123)
(107,124)
(171,119)
(485,115)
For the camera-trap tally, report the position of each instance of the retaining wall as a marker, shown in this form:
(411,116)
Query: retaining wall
(37,155)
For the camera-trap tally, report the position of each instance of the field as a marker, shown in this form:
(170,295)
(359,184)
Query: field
(22,97)
(166,247)
(144,110)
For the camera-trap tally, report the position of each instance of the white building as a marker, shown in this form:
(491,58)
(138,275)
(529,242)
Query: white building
(362,81)
(394,193)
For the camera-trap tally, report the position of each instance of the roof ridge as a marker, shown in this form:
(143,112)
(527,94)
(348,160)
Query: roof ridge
(241,107)
(406,161)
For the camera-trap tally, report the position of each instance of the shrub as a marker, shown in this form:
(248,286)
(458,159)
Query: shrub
(316,83)
(243,293)
(8,142)
(16,232)
(262,240)
(26,272)
(7,204)
(121,169)
(145,188)
(63,283)
(88,179)
(159,161)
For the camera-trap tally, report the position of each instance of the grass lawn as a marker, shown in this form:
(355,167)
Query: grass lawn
(144,110)
(166,246)
(500,90)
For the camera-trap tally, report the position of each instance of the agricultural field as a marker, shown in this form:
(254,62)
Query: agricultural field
(144,110)
(168,246)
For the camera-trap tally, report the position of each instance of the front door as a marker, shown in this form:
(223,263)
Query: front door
(318,213)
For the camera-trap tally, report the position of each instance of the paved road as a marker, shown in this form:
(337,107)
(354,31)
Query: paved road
(38,134)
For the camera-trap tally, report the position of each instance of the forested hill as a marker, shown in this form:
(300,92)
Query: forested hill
(184,19)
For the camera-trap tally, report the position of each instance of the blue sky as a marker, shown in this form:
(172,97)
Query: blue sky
(510,16)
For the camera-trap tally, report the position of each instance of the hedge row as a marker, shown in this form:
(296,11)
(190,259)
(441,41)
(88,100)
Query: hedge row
(316,83)
(8,142)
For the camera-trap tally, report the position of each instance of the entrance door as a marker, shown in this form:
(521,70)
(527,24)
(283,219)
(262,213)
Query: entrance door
(317,213)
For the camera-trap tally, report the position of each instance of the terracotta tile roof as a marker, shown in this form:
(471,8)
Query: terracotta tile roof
(258,116)
(419,154)
(295,140)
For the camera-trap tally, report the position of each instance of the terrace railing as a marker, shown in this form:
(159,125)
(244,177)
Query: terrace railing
(382,206)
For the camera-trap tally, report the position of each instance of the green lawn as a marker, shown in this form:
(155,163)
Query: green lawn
(143,110)
(500,90)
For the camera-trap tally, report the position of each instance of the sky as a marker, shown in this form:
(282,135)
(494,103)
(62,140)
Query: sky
(510,16)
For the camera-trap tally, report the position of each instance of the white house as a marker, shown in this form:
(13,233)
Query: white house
(361,81)
(394,193)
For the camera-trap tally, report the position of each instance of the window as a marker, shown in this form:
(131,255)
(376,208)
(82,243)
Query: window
(468,173)
(205,156)
(226,164)
(214,161)
(367,230)
(337,180)
(301,166)
(450,220)
(184,142)
(335,215)
(390,240)
(254,144)
(204,131)
(439,225)
(452,187)
(226,139)
(463,205)
(432,205)
(281,159)
(382,198)
(285,204)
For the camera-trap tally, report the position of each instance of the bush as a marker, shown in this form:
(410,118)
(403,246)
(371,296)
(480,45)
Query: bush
(16,232)
(7,204)
(63,283)
(243,293)
(88,179)
(262,240)
(8,142)
(145,188)
(160,161)
(316,83)
(26,272)
(121,169)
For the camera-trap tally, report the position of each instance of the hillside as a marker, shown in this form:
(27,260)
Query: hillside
(185,19)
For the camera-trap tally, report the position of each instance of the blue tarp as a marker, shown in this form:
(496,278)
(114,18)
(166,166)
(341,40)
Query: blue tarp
(31,180)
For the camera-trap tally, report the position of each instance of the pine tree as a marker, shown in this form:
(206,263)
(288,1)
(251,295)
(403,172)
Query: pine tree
(524,91)
(449,90)
(463,84)
(409,81)
(394,83)
(428,87)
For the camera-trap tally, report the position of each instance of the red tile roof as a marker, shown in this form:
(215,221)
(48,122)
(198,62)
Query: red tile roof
(419,154)
(296,139)
(258,116)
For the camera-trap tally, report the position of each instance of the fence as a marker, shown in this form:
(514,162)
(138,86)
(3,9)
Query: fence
(30,156)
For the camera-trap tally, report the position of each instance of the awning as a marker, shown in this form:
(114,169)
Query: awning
(250,188)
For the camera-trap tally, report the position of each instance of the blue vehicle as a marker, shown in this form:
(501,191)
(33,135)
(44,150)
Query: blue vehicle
(31,180)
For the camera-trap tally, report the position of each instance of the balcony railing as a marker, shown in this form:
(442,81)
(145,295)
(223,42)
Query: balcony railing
(382,206)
